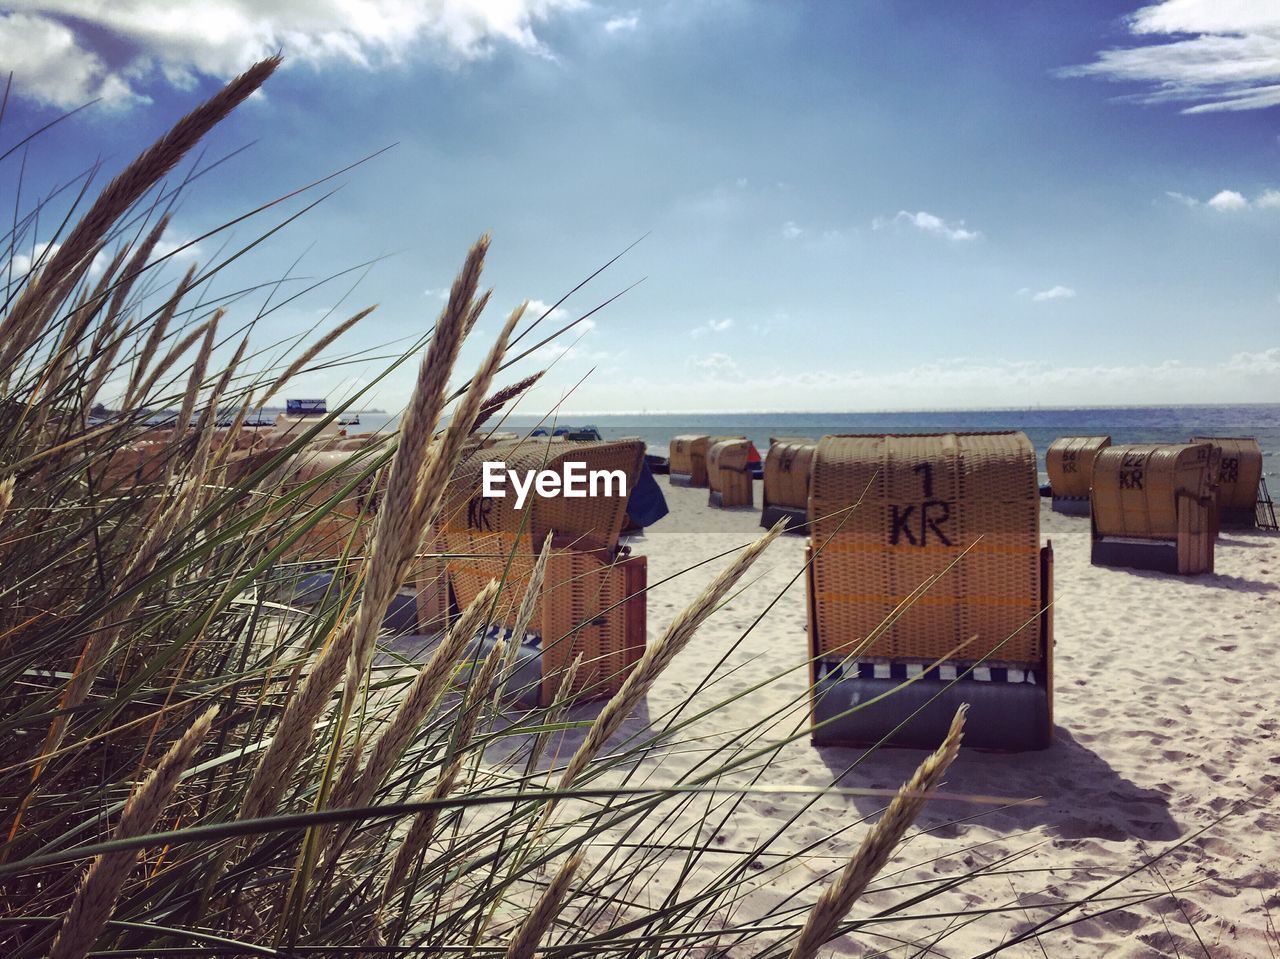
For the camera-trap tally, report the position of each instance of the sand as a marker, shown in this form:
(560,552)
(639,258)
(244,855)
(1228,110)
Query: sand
(1166,722)
(1166,719)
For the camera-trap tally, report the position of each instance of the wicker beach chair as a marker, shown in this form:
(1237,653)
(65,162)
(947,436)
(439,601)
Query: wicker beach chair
(1238,479)
(592,603)
(1069,463)
(346,530)
(729,473)
(688,460)
(926,564)
(785,493)
(1153,507)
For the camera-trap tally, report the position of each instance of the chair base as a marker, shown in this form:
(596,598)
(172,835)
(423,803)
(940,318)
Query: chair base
(1010,709)
(523,687)
(683,479)
(1071,505)
(797,518)
(716,500)
(1004,716)
(1238,517)
(1157,555)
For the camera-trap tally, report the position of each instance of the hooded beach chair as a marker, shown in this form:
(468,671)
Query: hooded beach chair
(688,460)
(786,482)
(1238,479)
(592,602)
(346,531)
(1153,507)
(926,565)
(729,476)
(1069,463)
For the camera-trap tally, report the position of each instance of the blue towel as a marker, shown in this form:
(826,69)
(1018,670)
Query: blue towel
(646,505)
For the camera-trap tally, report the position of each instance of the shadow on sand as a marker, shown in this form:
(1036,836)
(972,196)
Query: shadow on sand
(1082,796)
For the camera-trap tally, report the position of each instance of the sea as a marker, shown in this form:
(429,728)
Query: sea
(1126,424)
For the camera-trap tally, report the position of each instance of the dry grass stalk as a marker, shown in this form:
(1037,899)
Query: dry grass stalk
(77,250)
(137,264)
(424,497)
(504,396)
(398,528)
(170,358)
(528,604)
(477,308)
(155,336)
(838,898)
(397,533)
(86,308)
(525,942)
(659,655)
(422,829)
(96,897)
(210,413)
(319,347)
(6,494)
(418,701)
(446,452)
(196,380)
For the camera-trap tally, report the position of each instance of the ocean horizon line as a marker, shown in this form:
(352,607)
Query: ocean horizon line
(578,414)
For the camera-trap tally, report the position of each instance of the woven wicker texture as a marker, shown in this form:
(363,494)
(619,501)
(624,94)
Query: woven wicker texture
(1069,463)
(786,472)
(1136,487)
(488,538)
(326,540)
(689,456)
(1239,470)
(924,499)
(728,472)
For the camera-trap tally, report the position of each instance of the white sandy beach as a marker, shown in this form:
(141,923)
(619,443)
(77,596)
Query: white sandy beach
(1161,728)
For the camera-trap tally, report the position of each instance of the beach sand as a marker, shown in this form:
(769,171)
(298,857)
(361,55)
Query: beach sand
(1166,720)
(1165,723)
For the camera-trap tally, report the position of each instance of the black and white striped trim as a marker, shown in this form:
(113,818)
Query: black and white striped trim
(945,672)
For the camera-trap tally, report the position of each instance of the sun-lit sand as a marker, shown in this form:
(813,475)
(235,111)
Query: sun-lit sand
(1162,727)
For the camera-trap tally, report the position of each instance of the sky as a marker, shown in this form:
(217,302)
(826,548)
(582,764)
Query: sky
(838,206)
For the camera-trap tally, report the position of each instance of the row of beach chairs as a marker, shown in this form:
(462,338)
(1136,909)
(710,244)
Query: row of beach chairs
(926,575)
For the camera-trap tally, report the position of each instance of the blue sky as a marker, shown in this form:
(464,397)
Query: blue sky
(845,206)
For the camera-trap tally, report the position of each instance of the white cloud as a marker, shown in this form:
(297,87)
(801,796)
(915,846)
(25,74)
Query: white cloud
(928,223)
(1231,201)
(40,254)
(622,24)
(558,317)
(1225,200)
(712,326)
(961,382)
(790,231)
(1054,293)
(1263,363)
(51,68)
(50,44)
(170,244)
(717,365)
(1215,55)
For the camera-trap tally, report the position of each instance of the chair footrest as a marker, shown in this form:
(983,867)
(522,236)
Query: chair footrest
(797,517)
(1071,505)
(1153,554)
(1003,715)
